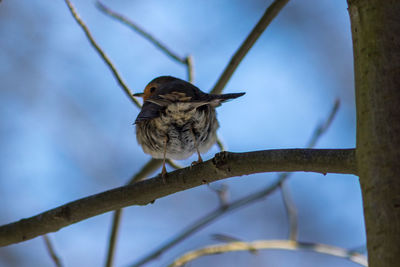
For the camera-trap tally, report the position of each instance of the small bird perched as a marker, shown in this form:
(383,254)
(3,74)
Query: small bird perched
(177,119)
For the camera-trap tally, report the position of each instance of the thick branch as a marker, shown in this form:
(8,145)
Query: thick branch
(223,165)
(375,28)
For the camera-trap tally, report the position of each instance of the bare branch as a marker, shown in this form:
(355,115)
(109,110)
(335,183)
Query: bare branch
(287,200)
(190,68)
(271,244)
(102,54)
(220,144)
(290,211)
(142,32)
(188,61)
(223,165)
(222,194)
(323,127)
(51,251)
(112,242)
(271,12)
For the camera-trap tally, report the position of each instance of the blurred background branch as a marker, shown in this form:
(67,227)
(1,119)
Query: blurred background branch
(103,55)
(271,12)
(187,61)
(271,244)
(290,209)
(150,167)
(51,251)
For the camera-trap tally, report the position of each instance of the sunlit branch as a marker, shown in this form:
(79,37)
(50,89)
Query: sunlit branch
(101,53)
(220,145)
(190,68)
(271,244)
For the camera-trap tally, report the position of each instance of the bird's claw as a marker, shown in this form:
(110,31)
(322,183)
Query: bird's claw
(164,175)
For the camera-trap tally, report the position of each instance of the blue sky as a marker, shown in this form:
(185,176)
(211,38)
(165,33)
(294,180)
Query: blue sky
(66,127)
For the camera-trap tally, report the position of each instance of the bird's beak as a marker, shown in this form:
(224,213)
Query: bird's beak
(138,94)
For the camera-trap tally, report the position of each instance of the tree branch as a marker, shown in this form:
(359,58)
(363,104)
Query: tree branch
(271,244)
(290,209)
(271,12)
(223,165)
(52,252)
(141,31)
(190,68)
(103,55)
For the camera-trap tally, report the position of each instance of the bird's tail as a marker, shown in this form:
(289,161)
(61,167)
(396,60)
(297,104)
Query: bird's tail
(225,97)
(216,100)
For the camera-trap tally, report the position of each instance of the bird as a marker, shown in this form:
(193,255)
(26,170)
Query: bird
(177,119)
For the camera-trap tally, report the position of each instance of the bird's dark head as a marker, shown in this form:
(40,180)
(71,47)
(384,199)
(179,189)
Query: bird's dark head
(155,84)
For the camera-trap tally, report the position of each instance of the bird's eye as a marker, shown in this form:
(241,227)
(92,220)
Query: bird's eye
(152,89)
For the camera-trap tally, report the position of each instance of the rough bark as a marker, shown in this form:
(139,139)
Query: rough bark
(376,42)
(223,165)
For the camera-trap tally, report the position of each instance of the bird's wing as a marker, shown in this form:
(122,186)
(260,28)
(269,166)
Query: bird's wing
(149,111)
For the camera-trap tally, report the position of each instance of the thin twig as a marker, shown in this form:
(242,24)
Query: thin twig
(142,32)
(51,251)
(271,244)
(246,200)
(287,200)
(116,222)
(150,167)
(220,144)
(190,68)
(101,53)
(323,127)
(188,61)
(222,194)
(271,12)
(291,211)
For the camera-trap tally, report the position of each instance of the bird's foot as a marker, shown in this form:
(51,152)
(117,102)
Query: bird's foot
(200,160)
(164,175)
